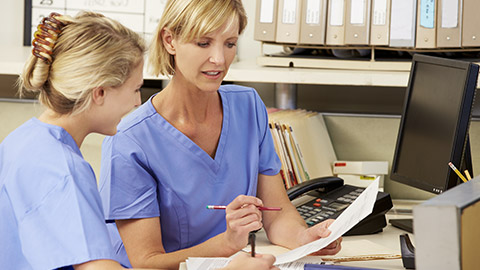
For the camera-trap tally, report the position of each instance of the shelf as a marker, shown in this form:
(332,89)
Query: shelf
(13,59)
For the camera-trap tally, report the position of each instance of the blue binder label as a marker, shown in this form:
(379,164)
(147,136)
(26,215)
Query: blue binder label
(427,13)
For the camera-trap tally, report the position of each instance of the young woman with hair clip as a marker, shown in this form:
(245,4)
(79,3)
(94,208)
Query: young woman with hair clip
(88,71)
(197,143)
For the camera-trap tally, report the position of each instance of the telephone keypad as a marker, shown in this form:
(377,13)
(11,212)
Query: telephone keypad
(320,209)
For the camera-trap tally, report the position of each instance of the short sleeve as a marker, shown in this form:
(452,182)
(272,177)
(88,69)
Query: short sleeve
(66,228)
(127,188)
(269,162)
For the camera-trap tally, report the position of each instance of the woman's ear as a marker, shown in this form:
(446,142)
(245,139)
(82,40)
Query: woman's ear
(168,42)
(98,95)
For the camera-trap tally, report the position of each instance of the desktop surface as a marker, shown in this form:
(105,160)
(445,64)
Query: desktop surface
(386,242)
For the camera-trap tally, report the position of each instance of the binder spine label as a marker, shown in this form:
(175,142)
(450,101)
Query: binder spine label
(289,11)
(427,13)
(313,12)
(449,13)
(379,12)
(357,12)
(266,11)
(336,12)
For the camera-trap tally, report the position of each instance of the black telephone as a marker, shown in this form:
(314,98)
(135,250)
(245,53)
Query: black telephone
(330,197)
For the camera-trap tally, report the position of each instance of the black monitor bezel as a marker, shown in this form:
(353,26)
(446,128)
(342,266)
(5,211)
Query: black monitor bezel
(463,123)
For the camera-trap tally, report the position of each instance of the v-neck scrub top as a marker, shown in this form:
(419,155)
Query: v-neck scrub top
(50,209)
(151,169)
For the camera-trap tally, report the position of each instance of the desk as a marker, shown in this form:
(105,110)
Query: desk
(386,242)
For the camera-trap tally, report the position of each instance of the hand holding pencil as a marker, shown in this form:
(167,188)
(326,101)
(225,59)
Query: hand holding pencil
(242,216)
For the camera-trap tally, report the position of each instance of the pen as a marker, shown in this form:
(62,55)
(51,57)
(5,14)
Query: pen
(262,208)
(457,171)
(468,175)
(251,240)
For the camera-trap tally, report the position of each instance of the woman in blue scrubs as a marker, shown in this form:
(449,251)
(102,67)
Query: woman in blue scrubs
(197,143)
(88,71)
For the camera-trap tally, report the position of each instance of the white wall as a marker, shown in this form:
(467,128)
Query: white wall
(11,32)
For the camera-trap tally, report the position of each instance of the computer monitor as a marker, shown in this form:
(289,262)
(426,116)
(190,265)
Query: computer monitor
(434,126)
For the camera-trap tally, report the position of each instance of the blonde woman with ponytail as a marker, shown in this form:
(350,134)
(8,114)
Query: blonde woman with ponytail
(87,71)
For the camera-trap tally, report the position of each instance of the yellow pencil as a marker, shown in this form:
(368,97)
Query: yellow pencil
(457,171)
(468,175)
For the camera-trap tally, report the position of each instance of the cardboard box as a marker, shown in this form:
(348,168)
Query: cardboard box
(361,167)
(360,180)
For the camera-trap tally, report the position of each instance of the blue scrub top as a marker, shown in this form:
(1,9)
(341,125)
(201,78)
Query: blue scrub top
(151,169)
(50,210)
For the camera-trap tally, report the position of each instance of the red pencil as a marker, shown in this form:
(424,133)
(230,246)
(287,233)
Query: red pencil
(219,207)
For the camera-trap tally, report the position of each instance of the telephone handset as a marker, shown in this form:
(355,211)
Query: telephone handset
(327,197)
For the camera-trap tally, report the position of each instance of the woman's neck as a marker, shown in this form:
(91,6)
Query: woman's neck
(177,102)
(73,124)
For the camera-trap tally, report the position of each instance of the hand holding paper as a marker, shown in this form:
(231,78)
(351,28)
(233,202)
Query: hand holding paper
(321,231)
(358,210)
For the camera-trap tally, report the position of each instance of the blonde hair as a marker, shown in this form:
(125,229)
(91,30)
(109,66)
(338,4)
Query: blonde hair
(91,51)
(188,20)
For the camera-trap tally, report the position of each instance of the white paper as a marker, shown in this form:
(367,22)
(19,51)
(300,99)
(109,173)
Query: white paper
(295,259)
(289,12)
(266,11)
(153,13)
(48,3)
(39,13)
(336,12)
(379,12)
(132,21)
(357,12)
(126,6)
(449,13)
(402,19)
(200,263)
(313,12)
(358,210)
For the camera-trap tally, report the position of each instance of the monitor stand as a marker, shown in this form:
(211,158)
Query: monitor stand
(407,223)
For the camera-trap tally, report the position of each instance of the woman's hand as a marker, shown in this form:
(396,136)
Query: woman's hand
(246,261)
(242,217)
(321,231)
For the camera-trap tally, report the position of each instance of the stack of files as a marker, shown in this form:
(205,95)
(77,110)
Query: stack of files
(303,145)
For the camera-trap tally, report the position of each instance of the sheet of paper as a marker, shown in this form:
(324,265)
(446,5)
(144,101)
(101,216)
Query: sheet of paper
(358,210)
(295,259)
(202,263)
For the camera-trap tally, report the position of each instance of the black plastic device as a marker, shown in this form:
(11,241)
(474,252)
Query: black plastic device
(331,197)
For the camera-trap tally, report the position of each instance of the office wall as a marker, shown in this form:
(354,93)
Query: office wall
(11,32)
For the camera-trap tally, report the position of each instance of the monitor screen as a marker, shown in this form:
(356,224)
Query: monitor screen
(434,126)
